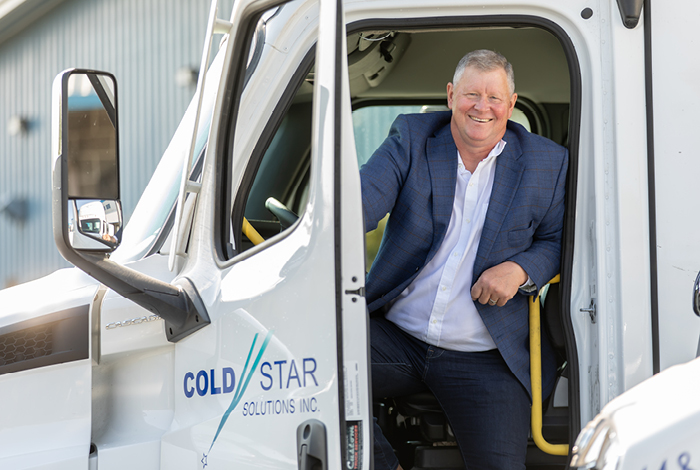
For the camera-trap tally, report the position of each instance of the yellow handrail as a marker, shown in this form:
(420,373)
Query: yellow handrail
(250,232)
(536,378)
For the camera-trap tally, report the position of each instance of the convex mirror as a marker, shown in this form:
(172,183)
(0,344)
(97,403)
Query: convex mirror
(86,169)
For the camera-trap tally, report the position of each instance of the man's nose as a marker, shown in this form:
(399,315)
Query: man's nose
(480,103)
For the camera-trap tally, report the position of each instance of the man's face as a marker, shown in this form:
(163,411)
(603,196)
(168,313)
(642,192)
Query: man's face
(481,106)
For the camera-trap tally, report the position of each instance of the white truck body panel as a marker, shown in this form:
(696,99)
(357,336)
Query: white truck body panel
(46,411)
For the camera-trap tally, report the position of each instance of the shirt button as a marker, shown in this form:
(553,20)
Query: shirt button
(443,288)
(468,221)
(434,322)
(456,255)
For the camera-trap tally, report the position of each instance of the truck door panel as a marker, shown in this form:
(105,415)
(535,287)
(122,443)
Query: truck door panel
(675,172)
(271,362)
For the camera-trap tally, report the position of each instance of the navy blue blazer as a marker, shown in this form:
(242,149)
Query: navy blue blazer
(413,176)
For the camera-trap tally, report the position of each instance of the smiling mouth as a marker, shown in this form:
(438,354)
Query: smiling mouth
(479,120)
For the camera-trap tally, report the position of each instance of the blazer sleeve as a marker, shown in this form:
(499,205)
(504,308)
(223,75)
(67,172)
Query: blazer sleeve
(541,261)
(383,176)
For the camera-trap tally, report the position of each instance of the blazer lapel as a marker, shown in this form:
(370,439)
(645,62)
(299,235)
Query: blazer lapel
(441,153)
(509,170)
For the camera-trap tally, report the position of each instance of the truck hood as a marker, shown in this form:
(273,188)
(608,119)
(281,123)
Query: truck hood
(657,421)
(62,289)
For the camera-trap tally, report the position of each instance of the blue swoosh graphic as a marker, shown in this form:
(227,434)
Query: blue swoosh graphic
(242,386)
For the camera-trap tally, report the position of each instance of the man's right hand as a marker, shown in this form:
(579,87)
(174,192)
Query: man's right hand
(499,284)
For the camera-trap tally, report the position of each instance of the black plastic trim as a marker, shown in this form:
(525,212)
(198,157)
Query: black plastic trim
(651,180)
(340,39)
(70,330)
(630,11)
(110,108)
(179,304)
(260,34)
(536,116)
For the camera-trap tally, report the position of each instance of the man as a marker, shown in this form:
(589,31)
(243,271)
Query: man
(477,206)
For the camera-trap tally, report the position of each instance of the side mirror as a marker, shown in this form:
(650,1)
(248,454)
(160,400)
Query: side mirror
(87,216)
(86,161)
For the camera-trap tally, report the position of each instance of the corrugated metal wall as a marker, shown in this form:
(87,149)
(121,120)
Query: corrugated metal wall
(144,43)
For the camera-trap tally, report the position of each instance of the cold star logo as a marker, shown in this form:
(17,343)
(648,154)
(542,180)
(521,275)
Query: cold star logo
(204,383)
(246,375)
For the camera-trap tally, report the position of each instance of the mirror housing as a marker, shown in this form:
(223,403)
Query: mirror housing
(87,216)
(86,161)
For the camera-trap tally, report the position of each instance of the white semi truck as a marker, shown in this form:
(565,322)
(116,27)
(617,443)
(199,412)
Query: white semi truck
(96,220)
(227,326)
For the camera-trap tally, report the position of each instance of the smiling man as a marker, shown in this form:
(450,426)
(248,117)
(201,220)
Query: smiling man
(477,205)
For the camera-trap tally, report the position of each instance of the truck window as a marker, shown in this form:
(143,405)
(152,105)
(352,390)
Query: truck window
(388,73)
(282,174)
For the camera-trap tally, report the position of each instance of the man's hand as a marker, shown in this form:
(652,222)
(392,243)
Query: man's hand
(499,284)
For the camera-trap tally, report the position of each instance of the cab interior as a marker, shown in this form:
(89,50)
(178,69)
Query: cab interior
(405,68)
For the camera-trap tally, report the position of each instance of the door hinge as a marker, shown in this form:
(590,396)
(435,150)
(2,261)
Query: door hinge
(591,310)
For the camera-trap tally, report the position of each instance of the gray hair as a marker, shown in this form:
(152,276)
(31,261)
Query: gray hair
(486,61)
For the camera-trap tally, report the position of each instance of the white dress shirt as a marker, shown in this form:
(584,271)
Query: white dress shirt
(437,306)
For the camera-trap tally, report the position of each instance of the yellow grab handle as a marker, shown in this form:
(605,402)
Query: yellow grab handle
(536,379)
(250,232)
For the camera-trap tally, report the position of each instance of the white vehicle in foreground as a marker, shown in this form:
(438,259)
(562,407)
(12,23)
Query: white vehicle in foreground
(655,425)
(227,328)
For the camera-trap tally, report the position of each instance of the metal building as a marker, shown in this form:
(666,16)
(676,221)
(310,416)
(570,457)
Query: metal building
(153,47)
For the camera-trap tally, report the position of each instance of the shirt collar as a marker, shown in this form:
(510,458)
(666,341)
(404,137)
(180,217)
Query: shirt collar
(495,152)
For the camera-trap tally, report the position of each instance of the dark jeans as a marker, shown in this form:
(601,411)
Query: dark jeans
(487,407)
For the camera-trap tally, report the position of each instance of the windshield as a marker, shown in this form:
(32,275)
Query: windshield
(158,199)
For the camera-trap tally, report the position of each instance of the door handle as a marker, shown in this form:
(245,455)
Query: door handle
(311,445)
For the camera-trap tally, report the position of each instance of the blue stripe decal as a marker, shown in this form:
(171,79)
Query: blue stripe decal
(242,386)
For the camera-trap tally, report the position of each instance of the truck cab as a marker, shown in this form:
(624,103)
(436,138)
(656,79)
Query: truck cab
(226,326)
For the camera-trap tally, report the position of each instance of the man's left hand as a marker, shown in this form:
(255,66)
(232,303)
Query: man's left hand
(499,284)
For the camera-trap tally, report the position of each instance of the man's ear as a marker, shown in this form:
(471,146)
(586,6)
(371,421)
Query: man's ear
(450,90)
(513,99)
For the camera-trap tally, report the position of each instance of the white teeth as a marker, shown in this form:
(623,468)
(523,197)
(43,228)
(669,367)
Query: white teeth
(479,120)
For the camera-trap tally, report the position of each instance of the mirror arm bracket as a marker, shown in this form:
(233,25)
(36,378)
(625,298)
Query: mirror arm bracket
(178,304)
